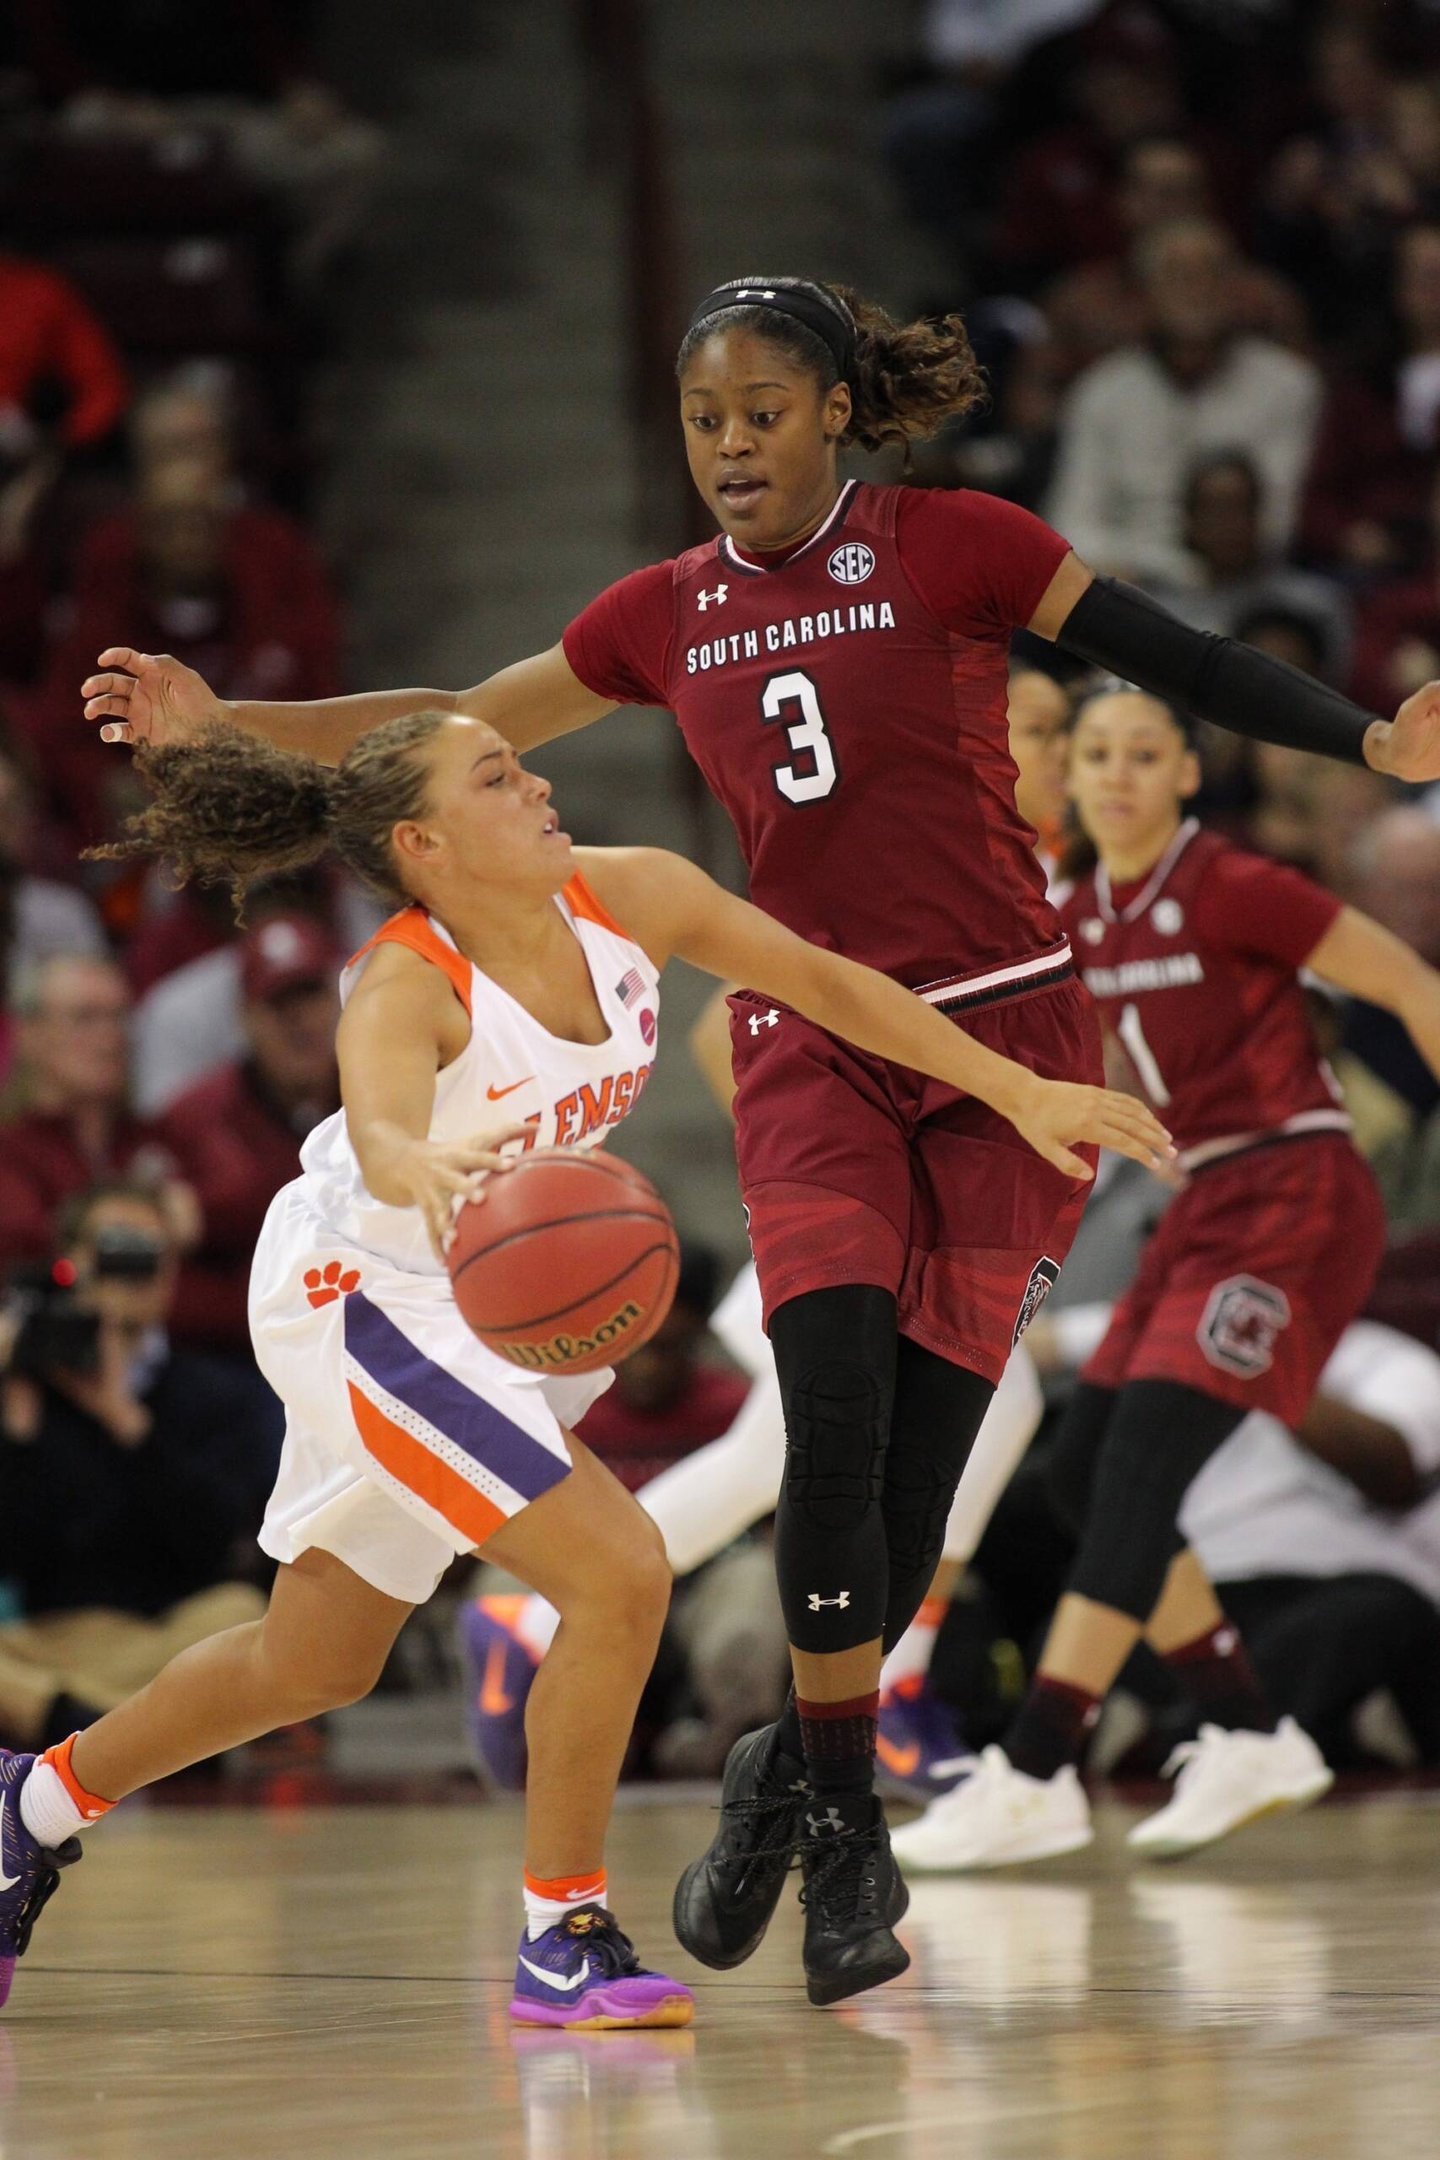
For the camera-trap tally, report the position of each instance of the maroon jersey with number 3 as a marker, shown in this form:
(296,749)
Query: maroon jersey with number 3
(1195,969)
(847,705)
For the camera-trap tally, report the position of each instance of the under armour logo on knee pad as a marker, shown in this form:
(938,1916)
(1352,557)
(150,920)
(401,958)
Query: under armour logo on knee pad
(816,1601)
(759,1020)
(832,1819)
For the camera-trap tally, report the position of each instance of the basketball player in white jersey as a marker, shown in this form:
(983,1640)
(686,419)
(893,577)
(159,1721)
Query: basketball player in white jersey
(506,976)
(702,1503)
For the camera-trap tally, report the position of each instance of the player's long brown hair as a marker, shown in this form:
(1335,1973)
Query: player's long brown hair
(228,809)
(908,378)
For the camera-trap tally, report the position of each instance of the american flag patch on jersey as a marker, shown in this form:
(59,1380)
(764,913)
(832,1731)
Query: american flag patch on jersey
(630,988)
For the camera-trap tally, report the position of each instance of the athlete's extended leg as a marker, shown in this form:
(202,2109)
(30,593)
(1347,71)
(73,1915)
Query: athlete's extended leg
(835,1353)
(322,1641)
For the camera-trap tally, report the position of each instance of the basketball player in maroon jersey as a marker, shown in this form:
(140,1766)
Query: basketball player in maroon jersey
(836,659)
(1191,946)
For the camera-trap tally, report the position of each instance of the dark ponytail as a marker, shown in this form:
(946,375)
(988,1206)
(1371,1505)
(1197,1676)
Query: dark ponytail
(906,379)
(910,378)
(227,808)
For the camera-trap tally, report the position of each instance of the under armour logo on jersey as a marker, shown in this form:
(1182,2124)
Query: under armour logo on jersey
(718,596)
(816,1601)
(831,1820)
(759,1020)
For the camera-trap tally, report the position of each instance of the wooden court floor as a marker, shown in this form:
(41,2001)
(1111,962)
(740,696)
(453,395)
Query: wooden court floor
(332,1982)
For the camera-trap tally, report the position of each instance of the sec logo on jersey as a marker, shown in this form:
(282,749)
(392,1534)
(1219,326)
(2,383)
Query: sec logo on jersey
(851,564)
(1168,916)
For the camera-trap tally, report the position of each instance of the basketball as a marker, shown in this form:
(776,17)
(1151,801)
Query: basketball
(568,1264)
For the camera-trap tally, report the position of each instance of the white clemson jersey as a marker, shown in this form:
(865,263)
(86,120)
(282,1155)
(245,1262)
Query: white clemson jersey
(511,1072)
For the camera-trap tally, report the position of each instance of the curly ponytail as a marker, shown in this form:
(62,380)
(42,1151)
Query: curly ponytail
(910,378)
(905,379)
(227,808)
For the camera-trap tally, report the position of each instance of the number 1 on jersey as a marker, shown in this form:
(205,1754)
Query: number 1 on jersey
(807,734)
(1142,1057)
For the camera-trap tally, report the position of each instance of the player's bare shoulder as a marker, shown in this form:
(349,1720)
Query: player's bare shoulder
(398,988)
(650,892)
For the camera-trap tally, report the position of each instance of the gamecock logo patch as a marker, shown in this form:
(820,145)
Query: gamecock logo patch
(1043,1278)
(1238,1327)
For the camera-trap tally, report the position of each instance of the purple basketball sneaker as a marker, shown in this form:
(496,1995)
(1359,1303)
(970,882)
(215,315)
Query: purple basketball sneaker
(29,1871)
(499,1669)
(919,1748)
(583,1973)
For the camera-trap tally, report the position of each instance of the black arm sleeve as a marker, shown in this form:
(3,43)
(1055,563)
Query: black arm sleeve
(1114,626)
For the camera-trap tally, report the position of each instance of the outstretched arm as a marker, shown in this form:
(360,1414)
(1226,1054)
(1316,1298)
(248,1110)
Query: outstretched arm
(673,908)
(1370,962)
(150,697)
(1116,627)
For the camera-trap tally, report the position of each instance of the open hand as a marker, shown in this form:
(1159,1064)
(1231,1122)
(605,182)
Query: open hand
(1408,747)
(1058,1114)
(443,1176)
(156,699)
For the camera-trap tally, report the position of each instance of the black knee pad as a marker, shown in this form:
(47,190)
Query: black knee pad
(835,1354)
(837,1420)
(939,1408)
(1159,1438)
(1075,1454)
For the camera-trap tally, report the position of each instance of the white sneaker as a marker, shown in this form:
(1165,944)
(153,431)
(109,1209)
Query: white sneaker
(994,1817)
(1230,1778)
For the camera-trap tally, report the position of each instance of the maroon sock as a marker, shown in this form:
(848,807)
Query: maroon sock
(838,1739)
(1217,1675)
(1051,1727)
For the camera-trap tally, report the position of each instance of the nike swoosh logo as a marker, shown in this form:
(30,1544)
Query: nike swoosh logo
(494,1701)
(899,1760)
(554,1980)
(7,1882)
(495,1093)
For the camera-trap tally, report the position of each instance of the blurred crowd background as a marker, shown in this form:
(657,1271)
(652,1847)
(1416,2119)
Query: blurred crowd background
(1197,246)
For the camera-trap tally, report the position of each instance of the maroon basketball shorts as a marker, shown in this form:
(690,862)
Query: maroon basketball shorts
(857,1171)
(1257,1268)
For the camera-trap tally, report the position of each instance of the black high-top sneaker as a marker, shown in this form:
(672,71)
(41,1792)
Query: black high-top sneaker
(725,1899)
(853,1895)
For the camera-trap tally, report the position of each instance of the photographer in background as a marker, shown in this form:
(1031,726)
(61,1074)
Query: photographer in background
(132,1477)
(68,1118)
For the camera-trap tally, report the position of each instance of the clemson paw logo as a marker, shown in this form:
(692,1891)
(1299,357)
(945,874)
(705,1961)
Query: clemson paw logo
(324,1285)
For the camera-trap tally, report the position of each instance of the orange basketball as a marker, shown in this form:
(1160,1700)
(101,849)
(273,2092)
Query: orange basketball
(568,1264)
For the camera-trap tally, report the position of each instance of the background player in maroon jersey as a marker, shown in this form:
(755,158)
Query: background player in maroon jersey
(1191,947)
(837,662)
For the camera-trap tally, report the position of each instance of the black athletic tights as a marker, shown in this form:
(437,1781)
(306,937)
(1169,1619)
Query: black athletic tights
(878,1431)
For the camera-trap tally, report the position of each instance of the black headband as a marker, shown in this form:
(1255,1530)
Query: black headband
(834,329)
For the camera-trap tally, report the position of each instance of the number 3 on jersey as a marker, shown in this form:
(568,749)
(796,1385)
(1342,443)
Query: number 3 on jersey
(779,699)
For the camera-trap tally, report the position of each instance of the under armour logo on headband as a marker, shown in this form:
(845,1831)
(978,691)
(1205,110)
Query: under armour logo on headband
(747,294)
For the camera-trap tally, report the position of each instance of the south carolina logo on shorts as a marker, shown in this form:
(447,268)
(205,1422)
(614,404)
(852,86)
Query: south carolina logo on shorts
(1238,1327)
(1043,1278)
(324,1285)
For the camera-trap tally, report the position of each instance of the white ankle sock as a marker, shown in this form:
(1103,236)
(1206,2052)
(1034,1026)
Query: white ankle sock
(543,1912)
(46,1808)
